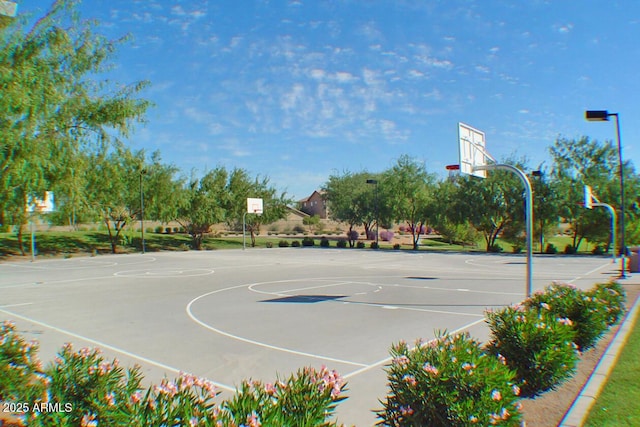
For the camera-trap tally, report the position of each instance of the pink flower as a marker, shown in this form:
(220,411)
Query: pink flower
(402,361)
(496,395)
(89,420)
(136,397)
(253,420)
(406,410)
(516,390)
(430,369)
(270,389)
(410,379)
(110,398)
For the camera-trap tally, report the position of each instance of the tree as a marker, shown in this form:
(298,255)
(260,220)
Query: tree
(446,219)
(408,188)
(546,205)
(52,106)
(241,187)
(113,189)
(350,199)
(581,162)
(311,221)
(203,203)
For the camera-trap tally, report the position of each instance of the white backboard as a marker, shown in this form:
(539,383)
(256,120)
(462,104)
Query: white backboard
(45,205)
(472,152)
(8,8)
(588,197)
(254,206)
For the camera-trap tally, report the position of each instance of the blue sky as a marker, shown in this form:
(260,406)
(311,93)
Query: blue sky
(300,89)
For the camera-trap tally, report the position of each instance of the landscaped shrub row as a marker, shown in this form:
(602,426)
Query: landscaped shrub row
(451,381)
(93,391)
(533,347)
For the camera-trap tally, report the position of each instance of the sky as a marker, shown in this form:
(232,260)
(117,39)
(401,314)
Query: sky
(298,90)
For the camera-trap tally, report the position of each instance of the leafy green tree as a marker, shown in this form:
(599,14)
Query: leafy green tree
(350,198)
(241,186)
(445,218)
(408,189)
(579,162)
(547,200)
(113,189)
(311,221)
(53,105)
(161,189)
(203,203)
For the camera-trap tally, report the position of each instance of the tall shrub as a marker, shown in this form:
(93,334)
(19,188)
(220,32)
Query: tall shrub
(538,346)
(449,382)
(588,317)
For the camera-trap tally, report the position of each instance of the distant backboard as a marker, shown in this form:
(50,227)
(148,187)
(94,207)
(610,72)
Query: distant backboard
(471,150)
(254,206)
(45,205)
(588,197)
(8,8)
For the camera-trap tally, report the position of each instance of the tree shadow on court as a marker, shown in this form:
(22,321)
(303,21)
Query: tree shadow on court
(305,299)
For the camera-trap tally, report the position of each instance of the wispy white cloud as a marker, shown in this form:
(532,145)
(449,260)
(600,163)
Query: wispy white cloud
(564,29)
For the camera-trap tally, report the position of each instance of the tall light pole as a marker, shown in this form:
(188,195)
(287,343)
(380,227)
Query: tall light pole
(142,172)
(603,116)
(375,182)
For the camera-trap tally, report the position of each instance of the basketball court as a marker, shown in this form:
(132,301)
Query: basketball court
(262,313)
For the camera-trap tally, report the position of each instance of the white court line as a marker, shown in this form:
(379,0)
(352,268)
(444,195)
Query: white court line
(45,265)
(588,273)
(367,304)
(257,343)
(288,294)
(424,310)
(16,305)
(389,359)
(456,290)
(110,347)
(57,282)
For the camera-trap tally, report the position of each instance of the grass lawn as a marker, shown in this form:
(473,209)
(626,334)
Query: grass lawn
(68,243)
(618,404)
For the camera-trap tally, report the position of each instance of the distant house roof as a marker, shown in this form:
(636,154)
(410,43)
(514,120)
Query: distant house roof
(297,212)
(306,199)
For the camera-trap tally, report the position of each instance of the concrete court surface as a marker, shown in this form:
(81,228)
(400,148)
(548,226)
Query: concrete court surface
(263,313)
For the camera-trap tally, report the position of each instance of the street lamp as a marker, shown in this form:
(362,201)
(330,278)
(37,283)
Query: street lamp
(375,182)
(142,172)
(603,116)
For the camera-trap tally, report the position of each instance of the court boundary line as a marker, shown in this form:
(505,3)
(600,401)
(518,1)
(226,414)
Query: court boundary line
(254,342)
(103,345)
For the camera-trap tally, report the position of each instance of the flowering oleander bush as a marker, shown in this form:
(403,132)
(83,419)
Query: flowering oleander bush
(588,316)
(449,382)
(306,399)
(21,377)
(187,401)
(611,299)
(92,390)
(386,236)
(537,345)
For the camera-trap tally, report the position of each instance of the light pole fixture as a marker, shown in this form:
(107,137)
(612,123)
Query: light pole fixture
(603,116)
(539,174)
(142,172)
(375,182)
